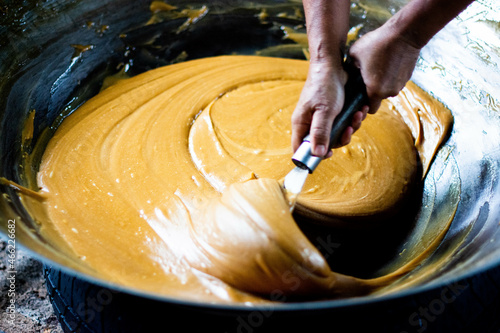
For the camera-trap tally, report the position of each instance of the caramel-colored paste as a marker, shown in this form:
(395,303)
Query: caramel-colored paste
(170,181)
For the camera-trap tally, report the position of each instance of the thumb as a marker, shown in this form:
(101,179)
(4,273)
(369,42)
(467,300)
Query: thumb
(321,127)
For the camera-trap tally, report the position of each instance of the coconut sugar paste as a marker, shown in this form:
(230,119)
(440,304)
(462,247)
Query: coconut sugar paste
(171,181)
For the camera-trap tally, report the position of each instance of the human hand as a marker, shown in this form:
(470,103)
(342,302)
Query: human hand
(321,100)
(386,61)
(386,58)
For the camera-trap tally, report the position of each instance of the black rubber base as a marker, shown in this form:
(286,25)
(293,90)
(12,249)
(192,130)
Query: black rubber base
(470,305)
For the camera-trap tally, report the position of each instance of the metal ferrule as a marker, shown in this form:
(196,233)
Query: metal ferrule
(303,157)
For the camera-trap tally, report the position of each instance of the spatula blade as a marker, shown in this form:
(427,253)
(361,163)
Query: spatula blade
(295,180)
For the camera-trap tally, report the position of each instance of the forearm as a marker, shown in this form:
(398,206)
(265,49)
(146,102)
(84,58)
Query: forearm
(385,56)
(420,20)
(327,24)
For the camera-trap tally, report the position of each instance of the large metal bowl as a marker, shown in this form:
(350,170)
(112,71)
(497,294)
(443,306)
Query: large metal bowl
(456,288)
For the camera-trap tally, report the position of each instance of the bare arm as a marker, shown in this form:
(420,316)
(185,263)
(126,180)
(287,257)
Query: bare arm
(323,94)
(386,57)
(420,20)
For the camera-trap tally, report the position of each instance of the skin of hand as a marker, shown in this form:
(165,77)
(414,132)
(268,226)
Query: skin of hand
(386,61)
(322,97)
(385,56)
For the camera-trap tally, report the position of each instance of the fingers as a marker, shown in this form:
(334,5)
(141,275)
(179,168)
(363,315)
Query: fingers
(318,124)
(323,151)
(301,122)
(374,105)
(345,139)
(370,79)
(357,119)
(316,121)
(321,127)
(320,102)
(386,63)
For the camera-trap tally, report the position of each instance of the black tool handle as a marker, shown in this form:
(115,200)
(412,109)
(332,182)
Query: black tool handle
(355,98)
